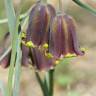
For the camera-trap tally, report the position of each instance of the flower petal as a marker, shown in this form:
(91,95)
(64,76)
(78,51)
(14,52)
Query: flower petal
(39,21)
(40,61)
(63,39)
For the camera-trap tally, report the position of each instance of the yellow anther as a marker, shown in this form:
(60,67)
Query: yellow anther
(49,55)
(30,44)
(23,35)
(69,55)
(45,45)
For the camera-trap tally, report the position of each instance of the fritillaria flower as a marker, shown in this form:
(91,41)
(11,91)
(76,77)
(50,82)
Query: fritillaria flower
(39,60)
(37,34)
(63,41)
(48,38)
(5,62)
(39,20)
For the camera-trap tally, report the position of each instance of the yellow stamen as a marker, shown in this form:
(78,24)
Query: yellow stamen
(49,55)
(30,44)
(23,35)
(45,45)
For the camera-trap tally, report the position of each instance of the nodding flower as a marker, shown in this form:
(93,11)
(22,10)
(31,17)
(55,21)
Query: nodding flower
(63,40)
(30,56)
(49,38)
(39,59)
(39,21)
(5,62)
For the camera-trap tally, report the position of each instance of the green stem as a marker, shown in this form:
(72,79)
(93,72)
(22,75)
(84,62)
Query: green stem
(85,6)
(51,82)
(60,6)
(42,85)
(17,68)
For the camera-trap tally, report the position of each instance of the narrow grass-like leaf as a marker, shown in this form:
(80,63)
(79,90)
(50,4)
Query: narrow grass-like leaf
(18,62)
(3,21)
(49,81)
(13,56)
(11,15)
(13,23)
(12,62)
(17,69)
(85,6)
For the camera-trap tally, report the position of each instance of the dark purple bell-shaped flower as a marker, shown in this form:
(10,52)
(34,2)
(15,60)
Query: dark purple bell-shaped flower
(39,60)
(5,62)
(39,20)
(63,41)
(31,56)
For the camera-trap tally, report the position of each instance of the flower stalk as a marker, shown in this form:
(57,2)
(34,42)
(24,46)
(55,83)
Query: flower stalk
(85,6)
(60,7)
(42,85)
(51,81)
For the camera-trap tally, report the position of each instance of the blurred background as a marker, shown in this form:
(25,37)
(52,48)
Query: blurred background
(76,77)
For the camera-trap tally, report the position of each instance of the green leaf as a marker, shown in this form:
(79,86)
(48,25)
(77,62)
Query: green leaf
(3,21)
(17,69)
(13,23)
(85,6)
(18,62)
(11,15)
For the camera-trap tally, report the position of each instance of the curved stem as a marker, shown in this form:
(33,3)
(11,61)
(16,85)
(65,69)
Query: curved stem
(85,6)
(60,5)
